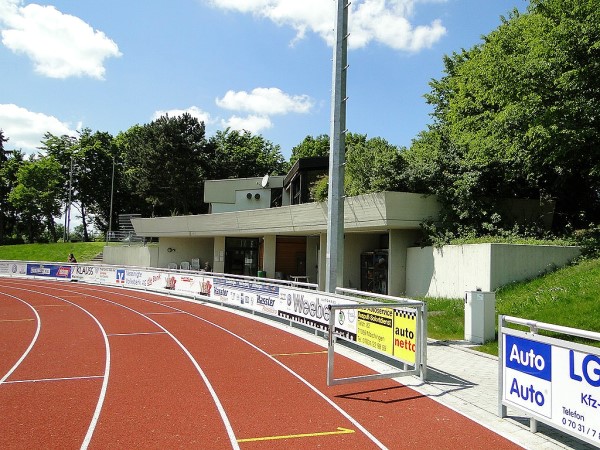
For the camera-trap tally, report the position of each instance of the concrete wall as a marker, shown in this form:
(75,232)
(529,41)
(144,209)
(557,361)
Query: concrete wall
(134,255)
(453,269)
(176,250)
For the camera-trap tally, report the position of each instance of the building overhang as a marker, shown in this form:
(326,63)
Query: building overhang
(363,213)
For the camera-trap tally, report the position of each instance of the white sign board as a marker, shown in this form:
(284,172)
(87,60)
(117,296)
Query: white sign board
(556,381)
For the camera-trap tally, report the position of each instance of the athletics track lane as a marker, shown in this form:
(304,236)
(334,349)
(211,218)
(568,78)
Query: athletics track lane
(260,397)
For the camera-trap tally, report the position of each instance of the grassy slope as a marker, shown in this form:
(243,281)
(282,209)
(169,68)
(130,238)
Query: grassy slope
(83,251)
(568,297)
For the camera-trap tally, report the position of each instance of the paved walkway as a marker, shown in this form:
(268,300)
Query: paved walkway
(467,381)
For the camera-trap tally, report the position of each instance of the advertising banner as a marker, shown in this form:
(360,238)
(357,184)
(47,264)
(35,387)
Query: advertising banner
(85,273)
(555,380)
(375,329)
(189,284)
(312,309)
(144,279)
(49,270)
(246,294)
(13,268)
(405,334)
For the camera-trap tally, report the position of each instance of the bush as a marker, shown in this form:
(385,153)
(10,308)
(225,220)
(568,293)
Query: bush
(589,241)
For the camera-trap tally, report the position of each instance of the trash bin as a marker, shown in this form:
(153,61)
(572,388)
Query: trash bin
(262,274)
(480,316)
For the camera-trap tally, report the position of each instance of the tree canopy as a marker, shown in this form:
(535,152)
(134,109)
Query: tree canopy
(517,116)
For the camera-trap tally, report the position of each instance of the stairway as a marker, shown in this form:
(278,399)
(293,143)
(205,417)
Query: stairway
(98,259)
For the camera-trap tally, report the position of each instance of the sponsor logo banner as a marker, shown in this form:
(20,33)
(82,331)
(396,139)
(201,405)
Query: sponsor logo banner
(84,273)
(49,270)
(558,383)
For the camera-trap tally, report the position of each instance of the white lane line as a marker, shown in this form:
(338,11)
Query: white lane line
(31,344)
(160,313)
(299,377)
(42,380)
(222,413)
(101,397)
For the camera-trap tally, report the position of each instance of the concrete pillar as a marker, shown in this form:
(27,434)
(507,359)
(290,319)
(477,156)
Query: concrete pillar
(312,258)
(219,257)
(400,240)
(269,255)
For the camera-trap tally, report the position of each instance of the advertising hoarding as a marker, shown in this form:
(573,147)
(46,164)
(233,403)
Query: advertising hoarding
(556,381)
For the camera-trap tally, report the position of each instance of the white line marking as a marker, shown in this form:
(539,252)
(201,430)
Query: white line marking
(313,388)
(31,344)
(222,413)
(96,415)
(159,313)
(41,380)
(213,393)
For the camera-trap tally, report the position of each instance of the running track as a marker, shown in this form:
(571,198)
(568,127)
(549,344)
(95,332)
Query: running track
(85,366)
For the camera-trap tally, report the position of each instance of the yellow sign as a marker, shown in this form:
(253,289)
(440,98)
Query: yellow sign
(375,329)
(405,334)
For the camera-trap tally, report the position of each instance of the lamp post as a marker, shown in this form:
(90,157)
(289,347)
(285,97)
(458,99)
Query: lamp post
(68,227)
(112,187)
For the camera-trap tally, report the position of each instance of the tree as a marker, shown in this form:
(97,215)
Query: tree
(37,196)
(310,147)
(516,116)
(8,179)
(239,154)
(93,161)
(4,188)
(372,165)
(166,163)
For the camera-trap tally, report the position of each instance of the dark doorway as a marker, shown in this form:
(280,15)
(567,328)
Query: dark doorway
(241,256)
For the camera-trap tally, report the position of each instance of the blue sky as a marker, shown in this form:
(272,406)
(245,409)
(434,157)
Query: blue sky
(260,65)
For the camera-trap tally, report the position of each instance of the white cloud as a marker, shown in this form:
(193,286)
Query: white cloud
(252,123)
(60,45)
(193,111)
(265,101)
(25,129)
(384,21)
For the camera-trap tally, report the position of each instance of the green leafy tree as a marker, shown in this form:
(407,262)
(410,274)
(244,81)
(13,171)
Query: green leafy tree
(310,147)
(516,116)
(8,180)
(4,187)
(36,197)
(94,155)
(239,154)
(165,164)
(372,165)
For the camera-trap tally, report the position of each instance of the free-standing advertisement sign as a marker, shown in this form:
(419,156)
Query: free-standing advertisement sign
(555,381)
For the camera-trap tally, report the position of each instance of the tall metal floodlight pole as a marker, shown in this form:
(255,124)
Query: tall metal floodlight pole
(337,144)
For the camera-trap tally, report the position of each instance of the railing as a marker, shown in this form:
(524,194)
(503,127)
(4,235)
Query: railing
(124,237)
(553,381)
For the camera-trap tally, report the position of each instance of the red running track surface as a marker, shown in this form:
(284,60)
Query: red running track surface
(84,366)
